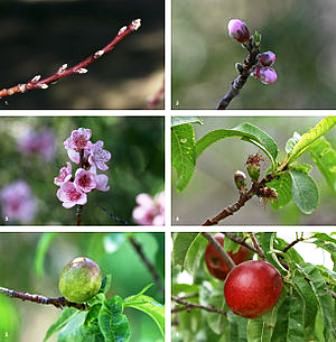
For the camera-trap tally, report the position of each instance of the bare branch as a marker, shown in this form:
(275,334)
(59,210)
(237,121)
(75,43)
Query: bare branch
(187,306)
(257,246)
(240,241)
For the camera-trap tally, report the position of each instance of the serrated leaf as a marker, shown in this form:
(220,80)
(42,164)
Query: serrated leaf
(283,186)
(113,324)
(182,242)
(150,307)
(324,156)
(245,131)
(194,254)
(304,191)
(181,120)
(311,136)
(183,154)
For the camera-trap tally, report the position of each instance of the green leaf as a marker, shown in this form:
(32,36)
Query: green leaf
(254,330)
(183,154)
(245,131)
(257,38)
(281,324)
(181,120)
(74,329)
(282,185)
(112,322)
(324,156)
(66,316)
(304,191)
(291,142)
(149,306)
(194,254)
(41,252)
(310,137)
(182,242)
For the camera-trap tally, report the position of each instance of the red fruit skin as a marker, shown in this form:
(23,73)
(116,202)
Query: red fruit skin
(252,288)
(214,262)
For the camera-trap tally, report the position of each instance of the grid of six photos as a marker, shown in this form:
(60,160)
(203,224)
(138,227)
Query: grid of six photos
(140,124)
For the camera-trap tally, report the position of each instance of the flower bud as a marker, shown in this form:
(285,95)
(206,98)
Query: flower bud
(267,58)
(238,30)
(265,75)
(268,193)
(253,166)
(240,180)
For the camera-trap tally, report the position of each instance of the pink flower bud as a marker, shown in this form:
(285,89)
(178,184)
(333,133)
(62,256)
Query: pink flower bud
(267,58)
(265,75)
(238,30)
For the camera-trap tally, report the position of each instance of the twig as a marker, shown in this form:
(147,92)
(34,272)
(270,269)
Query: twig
(151,268)
(65,71)
(228,260)
(257,245)
(239,82)
(189,306)
(58,302)
(240,241)
(293,243)
(156,99)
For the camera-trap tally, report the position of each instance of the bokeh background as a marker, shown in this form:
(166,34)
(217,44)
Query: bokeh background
(300,32)
(212,187)
(38,259)
(136,165)
(37,37)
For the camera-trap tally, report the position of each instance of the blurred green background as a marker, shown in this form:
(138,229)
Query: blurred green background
(38,259)
(300,32)
(37,37)
(212,187)
(136,166)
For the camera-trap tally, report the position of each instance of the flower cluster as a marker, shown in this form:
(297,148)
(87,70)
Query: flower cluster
(263,70)
(90,157)
(18,202)
(150,211)
(41,143)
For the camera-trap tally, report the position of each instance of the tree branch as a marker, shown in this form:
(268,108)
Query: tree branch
(226,257)
(239,82)
(150,267)
(156,99)
(80,68)
(58,302)
(187,306)
(293,243)
(240,241)
(257,245)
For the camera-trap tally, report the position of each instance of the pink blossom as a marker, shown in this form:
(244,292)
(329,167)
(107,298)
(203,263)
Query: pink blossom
(70,195)
(18,202)
(98,156)
(267,58)
(41,143)
(265,75)
(65,175)
(101,183)
(85,181)
(149,211)
(79,139)
(238,30)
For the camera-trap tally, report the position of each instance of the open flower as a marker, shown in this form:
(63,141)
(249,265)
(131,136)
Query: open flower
(18,202)
(64,175)
(98,156)
(85,181)
(79,139)
(70,195)
(149,211)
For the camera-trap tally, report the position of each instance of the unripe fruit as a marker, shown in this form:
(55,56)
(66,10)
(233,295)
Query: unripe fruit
(267,58)
(252,288)
(215,263)
(80,280)
(238,30)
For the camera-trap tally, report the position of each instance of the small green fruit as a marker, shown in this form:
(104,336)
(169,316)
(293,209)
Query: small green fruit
(80,280)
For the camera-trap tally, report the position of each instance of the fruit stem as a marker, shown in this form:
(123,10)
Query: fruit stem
(220,250)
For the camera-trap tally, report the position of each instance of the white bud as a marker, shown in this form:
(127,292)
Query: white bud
(62,68)
(43,86)
(98,53)
(136,24)
(122,30)
(35,79)
(82,71)
(22,88)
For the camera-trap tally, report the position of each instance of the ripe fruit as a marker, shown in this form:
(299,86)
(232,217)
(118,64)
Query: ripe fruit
(216,265)
(80,280)
(252,288)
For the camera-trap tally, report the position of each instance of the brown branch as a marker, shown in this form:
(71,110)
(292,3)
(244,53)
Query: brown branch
(150,267)
(58,302)
(293,243)
(243,198)
(65,71)
(245,72)
(256,245)
(226,257)
(240,241)
(187,306)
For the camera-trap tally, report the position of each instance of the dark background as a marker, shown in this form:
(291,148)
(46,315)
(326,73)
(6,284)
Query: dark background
(39,37)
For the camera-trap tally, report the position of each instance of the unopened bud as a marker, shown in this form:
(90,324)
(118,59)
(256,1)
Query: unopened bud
(267,58)
(253,166)
(240,180)
(238,30)
(265,75)
(268,193)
